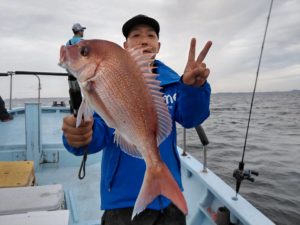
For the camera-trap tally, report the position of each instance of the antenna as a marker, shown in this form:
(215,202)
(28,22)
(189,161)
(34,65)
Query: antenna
(239,174)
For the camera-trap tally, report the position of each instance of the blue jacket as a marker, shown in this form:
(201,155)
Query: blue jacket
(121,174)
(74,40)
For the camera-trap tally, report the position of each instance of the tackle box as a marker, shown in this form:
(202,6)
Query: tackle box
(35,198)
(16,174)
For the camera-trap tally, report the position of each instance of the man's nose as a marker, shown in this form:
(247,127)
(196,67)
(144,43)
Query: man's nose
(144,41)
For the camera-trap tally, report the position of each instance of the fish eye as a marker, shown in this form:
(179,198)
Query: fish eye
(84,51)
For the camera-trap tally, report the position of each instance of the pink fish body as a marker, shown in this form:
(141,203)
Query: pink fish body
(120,86)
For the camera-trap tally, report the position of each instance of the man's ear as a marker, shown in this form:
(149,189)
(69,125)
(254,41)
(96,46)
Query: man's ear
(125,44)
(158,46)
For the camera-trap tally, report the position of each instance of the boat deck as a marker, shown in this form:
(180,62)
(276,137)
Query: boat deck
(64,167)
(35,134)
(15,129)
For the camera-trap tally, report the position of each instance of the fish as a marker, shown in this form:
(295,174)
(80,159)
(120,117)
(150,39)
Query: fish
(120,86)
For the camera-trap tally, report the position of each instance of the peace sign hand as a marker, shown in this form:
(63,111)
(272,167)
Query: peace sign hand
(196,73)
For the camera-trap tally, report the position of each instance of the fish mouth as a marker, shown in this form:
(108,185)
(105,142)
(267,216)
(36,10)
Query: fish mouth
(62,58)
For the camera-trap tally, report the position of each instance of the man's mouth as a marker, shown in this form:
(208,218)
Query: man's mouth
(147,51)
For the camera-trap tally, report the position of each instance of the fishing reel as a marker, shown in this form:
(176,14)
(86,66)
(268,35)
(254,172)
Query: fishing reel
(75,94)
(240,174)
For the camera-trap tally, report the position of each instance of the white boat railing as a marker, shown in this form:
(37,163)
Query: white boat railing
(33,73)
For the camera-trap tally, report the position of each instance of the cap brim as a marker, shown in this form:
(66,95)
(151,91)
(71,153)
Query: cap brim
(127,27)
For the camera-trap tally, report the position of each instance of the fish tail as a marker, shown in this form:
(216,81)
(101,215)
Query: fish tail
(159,181)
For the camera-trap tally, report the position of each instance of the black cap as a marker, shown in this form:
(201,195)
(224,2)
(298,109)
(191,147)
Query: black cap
(138,20)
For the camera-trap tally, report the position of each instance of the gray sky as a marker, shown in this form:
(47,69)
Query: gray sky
(32,32)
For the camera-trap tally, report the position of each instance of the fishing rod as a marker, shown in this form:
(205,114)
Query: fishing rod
(240,174)
(75,102)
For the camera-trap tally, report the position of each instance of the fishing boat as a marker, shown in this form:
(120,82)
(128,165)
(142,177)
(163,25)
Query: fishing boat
(39,178)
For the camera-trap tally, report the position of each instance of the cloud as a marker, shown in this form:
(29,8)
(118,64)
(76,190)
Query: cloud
(32,32)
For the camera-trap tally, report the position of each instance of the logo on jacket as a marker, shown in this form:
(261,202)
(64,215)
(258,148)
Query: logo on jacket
(170,99)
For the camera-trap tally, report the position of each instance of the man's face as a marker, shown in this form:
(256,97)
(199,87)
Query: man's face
(81,33)
(143,36)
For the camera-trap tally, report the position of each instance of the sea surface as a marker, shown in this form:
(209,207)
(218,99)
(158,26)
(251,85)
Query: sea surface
(273,147)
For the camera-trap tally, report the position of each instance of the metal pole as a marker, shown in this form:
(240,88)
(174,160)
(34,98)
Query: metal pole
(11,73)
(10,90)
(205,142)
(204,160)
(39,88)
(184,142)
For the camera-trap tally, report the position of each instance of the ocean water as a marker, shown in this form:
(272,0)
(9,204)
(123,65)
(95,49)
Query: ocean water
(273,147)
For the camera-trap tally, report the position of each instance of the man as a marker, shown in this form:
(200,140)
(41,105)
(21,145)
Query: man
(122,175)
(4,115)
(74,91)
(78,31)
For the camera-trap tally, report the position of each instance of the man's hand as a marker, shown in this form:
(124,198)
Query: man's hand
(196,73)
(77,136)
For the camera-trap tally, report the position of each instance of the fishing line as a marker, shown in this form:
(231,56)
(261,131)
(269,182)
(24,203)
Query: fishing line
(257,73)
(239,173)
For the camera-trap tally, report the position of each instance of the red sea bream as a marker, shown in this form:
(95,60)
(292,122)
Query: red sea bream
(120,86)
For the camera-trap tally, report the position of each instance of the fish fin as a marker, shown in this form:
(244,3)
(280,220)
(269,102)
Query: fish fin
(159,181)
(92,89)
(127,147)
(85,112)
(164,118)
(80,114)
